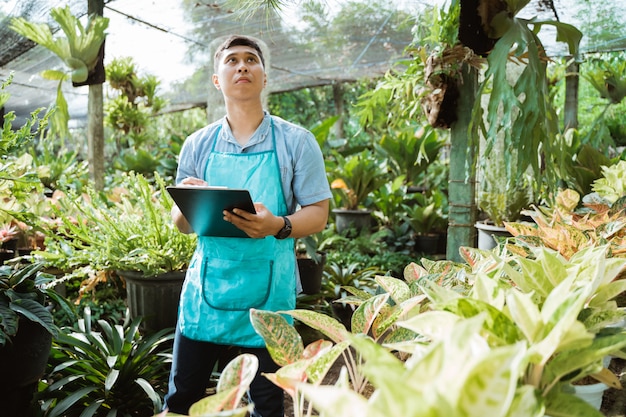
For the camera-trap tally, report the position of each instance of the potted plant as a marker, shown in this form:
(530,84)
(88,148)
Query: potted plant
(409,151)
(500,199)
(428,218)
(355,177)
(111,370)
(311,261)
(26,332)
(129,233)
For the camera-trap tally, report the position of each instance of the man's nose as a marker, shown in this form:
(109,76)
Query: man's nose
(242,68)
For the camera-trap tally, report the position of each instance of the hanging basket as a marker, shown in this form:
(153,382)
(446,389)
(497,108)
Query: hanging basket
(441,74)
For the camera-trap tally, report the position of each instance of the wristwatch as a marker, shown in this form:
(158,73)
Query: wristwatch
(285,231)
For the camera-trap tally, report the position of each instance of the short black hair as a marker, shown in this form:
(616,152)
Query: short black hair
(237,40)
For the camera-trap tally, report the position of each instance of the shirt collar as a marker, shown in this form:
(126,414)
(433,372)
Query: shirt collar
(258,136)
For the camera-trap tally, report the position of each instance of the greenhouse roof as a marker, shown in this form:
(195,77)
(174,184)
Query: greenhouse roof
(171,40)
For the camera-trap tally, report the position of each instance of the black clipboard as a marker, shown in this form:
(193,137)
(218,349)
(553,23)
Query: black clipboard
(203,208)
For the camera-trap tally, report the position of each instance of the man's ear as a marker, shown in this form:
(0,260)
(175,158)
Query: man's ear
(216,81)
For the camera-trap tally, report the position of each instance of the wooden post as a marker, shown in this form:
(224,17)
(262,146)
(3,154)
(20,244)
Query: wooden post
(95,118)
(571,95)
(462,184)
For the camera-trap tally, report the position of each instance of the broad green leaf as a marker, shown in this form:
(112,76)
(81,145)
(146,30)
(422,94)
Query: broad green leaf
(54,75)
(282,340)
(213,404)
(491,384)
(238,375)
(566,363)
(500,328)
(434,325)
(525,313)
(563,404)
(333,401)
(290,376)
(35,312)
(329,326)
(398,290)
(526,403)
(364,316)
(317,370)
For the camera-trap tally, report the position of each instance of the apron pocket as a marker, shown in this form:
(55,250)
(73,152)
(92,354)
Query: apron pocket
(235,285)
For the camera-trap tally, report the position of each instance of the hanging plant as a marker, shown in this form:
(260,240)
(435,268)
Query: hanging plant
(82,51)
(519,111)
(441,73)
(80,47)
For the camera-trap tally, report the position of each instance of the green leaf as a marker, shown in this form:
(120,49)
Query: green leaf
(238,375)
(92,409)
(69,401)
(111,379)
(322,363)
(150,392)
(563,404)
(213,404)
(329,326)
(398,290)
(35,312)
(282,340)
(364,316)
(491,384)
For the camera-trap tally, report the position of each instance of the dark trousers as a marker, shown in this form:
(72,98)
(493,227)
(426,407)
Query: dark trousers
(194,361)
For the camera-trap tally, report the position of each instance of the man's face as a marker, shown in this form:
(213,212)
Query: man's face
(240,73)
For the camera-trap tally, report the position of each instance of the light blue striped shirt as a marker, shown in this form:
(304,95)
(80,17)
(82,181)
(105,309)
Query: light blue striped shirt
(300,159)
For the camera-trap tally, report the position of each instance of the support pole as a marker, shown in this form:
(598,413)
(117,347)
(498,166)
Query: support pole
(571,95)
(462,184)
(95,118)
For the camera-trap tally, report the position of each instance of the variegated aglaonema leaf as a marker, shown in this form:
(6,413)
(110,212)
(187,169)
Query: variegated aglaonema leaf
(327,325)
(398,290)
(323,361)
(282,340)
(490,386)
(238,374)
(290,376)
(413,272)
(364,316)
(216,405)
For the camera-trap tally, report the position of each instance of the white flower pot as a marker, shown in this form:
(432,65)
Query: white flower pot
(591,393)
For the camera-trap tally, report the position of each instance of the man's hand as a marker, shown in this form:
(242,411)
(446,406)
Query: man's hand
(263,223)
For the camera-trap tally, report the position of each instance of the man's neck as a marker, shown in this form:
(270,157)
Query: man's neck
(244,121)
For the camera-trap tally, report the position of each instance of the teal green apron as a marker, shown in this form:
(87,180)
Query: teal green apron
(229,276)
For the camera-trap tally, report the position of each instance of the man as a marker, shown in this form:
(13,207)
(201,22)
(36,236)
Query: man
(282,166)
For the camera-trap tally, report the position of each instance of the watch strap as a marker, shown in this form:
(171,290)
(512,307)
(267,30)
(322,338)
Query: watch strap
(285,231)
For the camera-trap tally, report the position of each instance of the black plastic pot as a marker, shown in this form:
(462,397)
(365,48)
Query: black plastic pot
(311,274)
(153,298)
(357,219)
(23,362)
